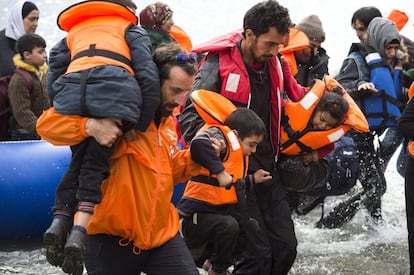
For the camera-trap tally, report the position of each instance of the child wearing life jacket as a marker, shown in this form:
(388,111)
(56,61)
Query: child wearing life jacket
(210,224)
(103,68)
(329,113)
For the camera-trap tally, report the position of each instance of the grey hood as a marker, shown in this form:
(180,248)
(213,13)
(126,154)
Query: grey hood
(381,32)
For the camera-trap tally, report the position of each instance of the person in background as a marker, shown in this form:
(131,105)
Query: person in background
(371,74)
(88,77)
(392,138)
(23,18)
(244,68)
(361,19)
(28,101)
(312,62)
(157,20)
(406,126)
(210,224)
(135,227)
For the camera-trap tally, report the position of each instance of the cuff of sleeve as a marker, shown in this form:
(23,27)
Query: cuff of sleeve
(82,127)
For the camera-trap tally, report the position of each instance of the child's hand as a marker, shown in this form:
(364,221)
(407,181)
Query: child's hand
(224,178)
(218,145)
(310,157)
(130,135)
(261,176)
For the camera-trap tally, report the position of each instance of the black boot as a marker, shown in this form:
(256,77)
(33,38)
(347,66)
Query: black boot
(74,251)
(55,238)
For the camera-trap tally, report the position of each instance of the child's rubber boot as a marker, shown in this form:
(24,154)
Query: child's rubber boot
(55,238)
(74,251)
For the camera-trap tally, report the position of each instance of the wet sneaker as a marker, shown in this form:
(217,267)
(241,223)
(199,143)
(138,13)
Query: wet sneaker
(74,250)
(55,238)
(207,266)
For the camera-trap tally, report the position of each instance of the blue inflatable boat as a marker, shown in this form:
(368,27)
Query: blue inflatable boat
(29,174)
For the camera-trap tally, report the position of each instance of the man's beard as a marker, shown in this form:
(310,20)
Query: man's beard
(165,110)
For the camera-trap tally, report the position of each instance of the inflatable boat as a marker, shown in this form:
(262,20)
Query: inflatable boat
(29,174)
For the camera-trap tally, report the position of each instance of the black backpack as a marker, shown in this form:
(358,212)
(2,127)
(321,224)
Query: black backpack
(343,170)
(4,101)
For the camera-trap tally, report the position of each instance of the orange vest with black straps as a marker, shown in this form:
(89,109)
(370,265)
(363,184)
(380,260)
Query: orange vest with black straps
(96,32)
(200,187)
(214,109)
(296,134)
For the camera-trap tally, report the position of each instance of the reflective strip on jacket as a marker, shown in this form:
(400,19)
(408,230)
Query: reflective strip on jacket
(299,114)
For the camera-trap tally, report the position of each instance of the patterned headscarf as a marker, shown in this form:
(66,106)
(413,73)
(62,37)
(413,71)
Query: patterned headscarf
(155,15)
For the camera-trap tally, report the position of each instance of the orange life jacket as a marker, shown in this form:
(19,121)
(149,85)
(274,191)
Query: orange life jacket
(181,37)
(214,109)
(297,136)
(200,187)
(400,18)
(298,40)
(96,32)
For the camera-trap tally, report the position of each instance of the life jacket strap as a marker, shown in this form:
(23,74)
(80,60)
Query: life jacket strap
(93,51)
(205,179)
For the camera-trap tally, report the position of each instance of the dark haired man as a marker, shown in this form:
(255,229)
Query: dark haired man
(245,69)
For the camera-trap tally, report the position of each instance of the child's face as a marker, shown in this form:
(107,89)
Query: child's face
(323,120)
(249,144)
(37,57)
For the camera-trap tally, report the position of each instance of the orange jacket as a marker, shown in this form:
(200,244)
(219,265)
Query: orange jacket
(100,25)
(136,196)
(298,114)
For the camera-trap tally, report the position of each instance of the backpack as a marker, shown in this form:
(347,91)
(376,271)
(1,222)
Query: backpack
(4,101)
(343,170)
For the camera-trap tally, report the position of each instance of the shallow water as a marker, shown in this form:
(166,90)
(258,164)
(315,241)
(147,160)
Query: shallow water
(359,247)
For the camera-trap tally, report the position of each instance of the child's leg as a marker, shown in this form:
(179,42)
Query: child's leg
(64,208)
(94,170)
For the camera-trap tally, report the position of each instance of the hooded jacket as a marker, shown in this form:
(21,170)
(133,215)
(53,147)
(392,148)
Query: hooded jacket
(136,197)
(366,63)
(26,106)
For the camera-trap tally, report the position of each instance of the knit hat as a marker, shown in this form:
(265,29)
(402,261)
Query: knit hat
(155,15)
(27,8)
(312,27)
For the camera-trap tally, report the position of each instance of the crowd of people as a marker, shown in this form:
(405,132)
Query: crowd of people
(244,121)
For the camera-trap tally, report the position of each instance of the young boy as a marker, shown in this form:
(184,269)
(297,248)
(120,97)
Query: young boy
(210,223)
(27,94)
(102,69)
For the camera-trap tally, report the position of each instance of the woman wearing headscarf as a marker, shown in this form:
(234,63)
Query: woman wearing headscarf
(23,19)
(156,19)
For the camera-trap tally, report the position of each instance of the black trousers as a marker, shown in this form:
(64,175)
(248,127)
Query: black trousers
(211,236)
(108,255)
(82,181)
(273,248)
(409,203)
